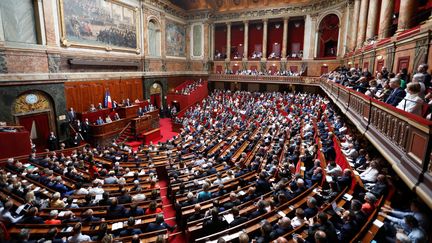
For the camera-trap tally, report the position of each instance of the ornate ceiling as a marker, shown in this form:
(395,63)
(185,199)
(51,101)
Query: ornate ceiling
(228,5)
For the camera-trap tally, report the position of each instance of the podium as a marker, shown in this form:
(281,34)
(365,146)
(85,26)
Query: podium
(128,111)
(141,124)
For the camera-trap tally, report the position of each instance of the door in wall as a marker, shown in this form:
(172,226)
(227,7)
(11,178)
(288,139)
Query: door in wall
(38,125)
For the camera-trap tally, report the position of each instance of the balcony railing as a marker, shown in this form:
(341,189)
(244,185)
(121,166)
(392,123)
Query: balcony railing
(404,139)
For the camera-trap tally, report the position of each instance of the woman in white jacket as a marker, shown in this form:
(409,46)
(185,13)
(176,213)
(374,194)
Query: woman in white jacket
(412,102)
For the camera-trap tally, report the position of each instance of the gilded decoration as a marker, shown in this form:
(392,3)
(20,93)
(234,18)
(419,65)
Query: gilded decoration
(108,25)
(155,89)
(31,102)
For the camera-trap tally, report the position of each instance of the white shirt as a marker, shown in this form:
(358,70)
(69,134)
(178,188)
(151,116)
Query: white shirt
(412,103)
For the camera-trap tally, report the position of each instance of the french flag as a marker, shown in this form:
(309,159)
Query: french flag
(108,101)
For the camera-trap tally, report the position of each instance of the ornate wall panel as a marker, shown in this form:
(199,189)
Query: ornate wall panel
(175,39)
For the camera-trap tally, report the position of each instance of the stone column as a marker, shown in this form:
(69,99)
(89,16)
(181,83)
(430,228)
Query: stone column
(386,16)
(228,51)
(264,42)
(310,36)
(285,38)
(212,39)
(354,26)
(405,16)
(362,22)
(48,15)
(372,19)
(246,40)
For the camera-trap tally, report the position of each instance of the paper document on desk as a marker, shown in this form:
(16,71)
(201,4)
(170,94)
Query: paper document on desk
(347,197)
(229,218)
(282,214)
(378,223)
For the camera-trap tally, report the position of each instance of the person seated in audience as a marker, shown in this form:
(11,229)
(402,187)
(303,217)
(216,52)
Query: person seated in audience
(32,217)
(312,209)
(380,187)
(321,222)
(116,117)
(396,217)
(197,213)
(100,121)
(370,203)
(53,218)
(265,230)
(88,217)
(56,201)
(6,214)
(92,108)
(153,208)
(108,119)
(124,197)
(69,217)
(115,211)
(233,201)
(397,93)
(159,224)
(412,102)
(77,236)
(349,226)
(371,173)
(205,194)
(345,180)
(416,233)
(334,170)
(215,223)
(282,227)
(237,218)
(129,228)
(262,208)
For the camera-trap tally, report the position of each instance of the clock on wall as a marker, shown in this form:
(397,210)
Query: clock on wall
(31,99)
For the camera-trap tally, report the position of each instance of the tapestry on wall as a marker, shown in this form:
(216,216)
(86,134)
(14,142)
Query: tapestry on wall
(175,39)
(96,23)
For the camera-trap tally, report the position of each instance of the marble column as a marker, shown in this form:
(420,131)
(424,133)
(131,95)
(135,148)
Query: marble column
(406,12)
(310,36)
(354,26)
(362,22)
(372,19)
(264,42)
(228,50)
(212,40)
(285,38)
(246,40)
(386,17)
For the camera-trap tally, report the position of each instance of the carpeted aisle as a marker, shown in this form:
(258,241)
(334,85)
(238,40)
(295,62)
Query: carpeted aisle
(166,130)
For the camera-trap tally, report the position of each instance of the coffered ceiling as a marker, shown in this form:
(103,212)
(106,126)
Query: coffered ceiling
(228,5)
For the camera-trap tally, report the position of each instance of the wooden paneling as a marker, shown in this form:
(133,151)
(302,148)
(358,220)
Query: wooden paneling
(80,95)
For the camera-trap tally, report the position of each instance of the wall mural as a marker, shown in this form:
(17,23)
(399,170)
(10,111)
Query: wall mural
(99,23)
(175,35)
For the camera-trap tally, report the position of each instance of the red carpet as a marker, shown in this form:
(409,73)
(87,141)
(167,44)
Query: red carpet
(166,130)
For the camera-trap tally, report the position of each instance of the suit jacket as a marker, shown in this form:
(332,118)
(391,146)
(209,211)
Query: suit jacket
(71,115)
(395,97)
(237,221)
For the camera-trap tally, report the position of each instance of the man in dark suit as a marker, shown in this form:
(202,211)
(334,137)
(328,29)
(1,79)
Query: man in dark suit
(237,218)
(281,227)
(215,224)
(397,93)
(115,211)
(130,230)
(85,127)
(349,227)
(312,208)
(140,112)
(32,218)
(71,115)
(52,142)
(159,224)
(197,213)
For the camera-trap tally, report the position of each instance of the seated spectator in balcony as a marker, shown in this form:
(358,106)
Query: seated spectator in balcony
(215,223)
(404,77)
(412,103)
(350,153)
(371,173)
(361,159)
(380,187)
(383,93)
(396,217)
(416,233)
(372,89)
(397,93)
(345,180)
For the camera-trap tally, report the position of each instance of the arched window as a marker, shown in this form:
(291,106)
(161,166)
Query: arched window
(328,36)
(154,38)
